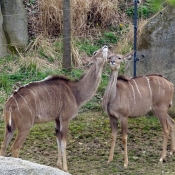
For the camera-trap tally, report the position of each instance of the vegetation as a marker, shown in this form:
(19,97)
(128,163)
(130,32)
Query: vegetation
(159,3)
(89,135)
(144,11)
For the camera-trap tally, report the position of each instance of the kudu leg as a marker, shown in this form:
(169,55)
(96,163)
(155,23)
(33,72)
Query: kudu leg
(58,135)
(62,129)
(114,125)
(124,128)
(163,118)
(7,138)
(63,146)
(63,143)
(172,133)
(19,140)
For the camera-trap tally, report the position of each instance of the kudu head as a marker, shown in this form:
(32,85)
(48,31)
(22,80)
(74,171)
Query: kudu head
(100,56)
(116,59)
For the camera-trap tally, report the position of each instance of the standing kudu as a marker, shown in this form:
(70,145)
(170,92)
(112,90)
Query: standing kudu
(54,98)
(134,97)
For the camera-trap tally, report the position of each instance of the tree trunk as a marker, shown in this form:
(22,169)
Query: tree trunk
(66,35)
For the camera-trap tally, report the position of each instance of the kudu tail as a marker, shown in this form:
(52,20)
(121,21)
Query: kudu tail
(8,119)
(9,131)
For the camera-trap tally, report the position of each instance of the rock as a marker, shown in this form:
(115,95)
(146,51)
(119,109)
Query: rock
(3,43)
(16,166)
(156,47)
(14,24)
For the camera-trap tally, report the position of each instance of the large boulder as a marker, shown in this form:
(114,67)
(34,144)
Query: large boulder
(156,47)
(3,49)
(14,26)
(16,166)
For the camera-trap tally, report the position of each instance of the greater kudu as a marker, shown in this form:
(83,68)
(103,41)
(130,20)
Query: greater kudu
(54,98)
(134,97)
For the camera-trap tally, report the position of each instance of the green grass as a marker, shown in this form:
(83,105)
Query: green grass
(87,46)
(145,10)
(107,38)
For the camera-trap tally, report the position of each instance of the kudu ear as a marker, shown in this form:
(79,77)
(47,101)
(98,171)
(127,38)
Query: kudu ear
(87,61)
(109,53)
(128,56)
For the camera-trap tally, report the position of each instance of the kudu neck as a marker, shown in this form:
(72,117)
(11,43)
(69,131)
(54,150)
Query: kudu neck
(86,87)
(111,89)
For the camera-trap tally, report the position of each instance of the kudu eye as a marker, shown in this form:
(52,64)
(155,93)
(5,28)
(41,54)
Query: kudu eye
(119,58)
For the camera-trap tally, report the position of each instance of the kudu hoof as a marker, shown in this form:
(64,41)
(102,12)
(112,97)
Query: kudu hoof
(59,165)
(125,165)
(109,160)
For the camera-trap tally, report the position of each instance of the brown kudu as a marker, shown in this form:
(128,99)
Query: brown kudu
(54,98)
(134,97)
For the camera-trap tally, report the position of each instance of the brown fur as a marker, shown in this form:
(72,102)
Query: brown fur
(54,98)
(124,98)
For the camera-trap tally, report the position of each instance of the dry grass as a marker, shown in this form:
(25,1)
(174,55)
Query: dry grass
(88,17)
(47,46)
(76,57)
(49,49)
(43,46)
(126,41)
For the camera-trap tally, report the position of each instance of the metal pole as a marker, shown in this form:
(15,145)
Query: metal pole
(66,35)
(135,35)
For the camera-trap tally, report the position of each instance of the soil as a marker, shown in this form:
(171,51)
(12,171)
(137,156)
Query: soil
(88,146)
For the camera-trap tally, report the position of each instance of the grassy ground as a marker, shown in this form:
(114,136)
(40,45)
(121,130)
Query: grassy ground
(89,144)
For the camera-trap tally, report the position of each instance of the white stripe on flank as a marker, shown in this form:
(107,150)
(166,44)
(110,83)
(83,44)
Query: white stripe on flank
(33,96)
(132,91)
(163,88)
(25,102)
(137,88)
(168,83)
(46,91)
(159,86)
(149,86)
(17,105)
